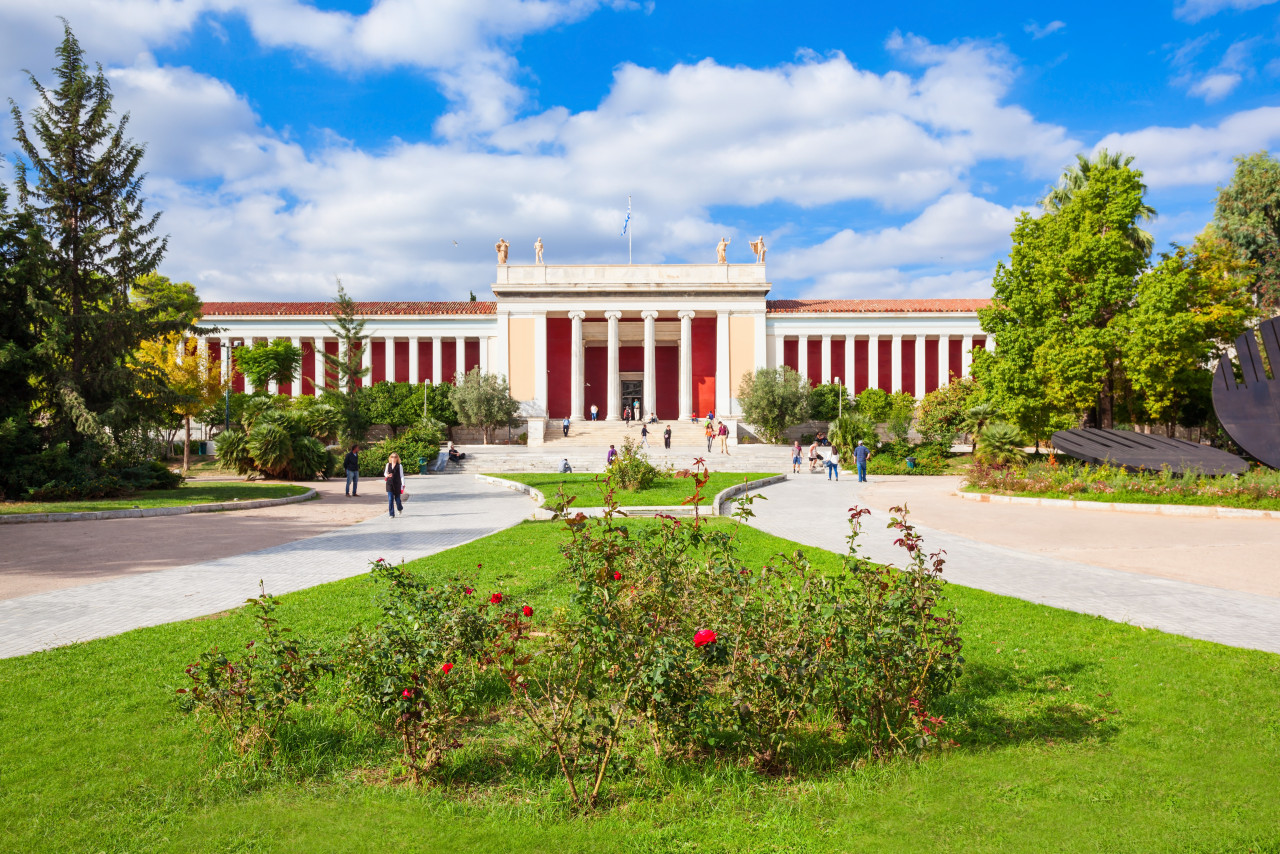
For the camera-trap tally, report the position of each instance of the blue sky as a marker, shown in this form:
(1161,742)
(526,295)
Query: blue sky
(883,150)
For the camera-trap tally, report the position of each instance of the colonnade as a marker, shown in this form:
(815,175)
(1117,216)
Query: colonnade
(826,372)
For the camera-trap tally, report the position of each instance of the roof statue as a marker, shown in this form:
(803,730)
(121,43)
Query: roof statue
(502,247)
(723,245)
(757,246)
(537,251)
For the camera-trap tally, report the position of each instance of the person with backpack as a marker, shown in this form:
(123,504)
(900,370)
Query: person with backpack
(351,462)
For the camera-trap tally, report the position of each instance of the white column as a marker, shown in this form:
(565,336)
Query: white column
(723,392)
(366,361)
(873,361)
(248,386)
(577,369)
(295,385)
(966,356)
(414,375)
(920,339)
(802,356)
(224,357)
(650,362)
(826,358)
(944,360)
(540,385)
(317,357)
(895,365)
(390,355)
(460,360)
(615,381)
(686,365)
(850,362)
(272,387)
(779,350)
(484,354)
(437,360)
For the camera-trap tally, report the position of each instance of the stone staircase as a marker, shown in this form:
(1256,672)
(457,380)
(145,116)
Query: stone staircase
(601,434)
(584,458)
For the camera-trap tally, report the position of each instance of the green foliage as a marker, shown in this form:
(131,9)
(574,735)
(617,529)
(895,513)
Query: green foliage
(773,399)
(825,402)
(319,419)
(278,440)
(251,697)
(874,404)
(941,413)
(977,417)
(847,431)
(20,290)
(348,328)
(173,302)
(437,407)
(420,442)
(397,405)
(1248,217)
(631,469)
(484,401)
(268,361)
(1001,445)
(902,410)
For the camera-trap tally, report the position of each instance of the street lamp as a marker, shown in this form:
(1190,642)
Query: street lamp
(840,407)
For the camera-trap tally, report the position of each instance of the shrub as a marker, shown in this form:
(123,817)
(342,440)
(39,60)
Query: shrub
(413,444)
(631,469)
(825,402)
(1001,444)
(846,432)
(874,404)
(279,441)
(941,414)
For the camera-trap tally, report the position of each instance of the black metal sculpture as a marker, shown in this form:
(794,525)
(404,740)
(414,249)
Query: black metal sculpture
(1250,410)
(1135,451)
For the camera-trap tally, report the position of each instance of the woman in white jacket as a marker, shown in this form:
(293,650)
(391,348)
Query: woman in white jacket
(394,475)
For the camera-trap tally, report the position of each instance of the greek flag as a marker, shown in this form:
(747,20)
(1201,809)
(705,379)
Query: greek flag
(628,219)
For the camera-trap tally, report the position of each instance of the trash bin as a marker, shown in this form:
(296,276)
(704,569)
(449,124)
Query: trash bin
(911,463)
(422,465)
(204,449)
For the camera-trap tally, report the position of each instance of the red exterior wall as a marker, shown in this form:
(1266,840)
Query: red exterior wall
(448,361)
(930,365)
(791,353)
(909,365)
(308,369)
(629,358)
(379,372)
(402,362)
(424,360)
(815,361)
(237,378)
(596,375)
(956,348)
(885,374)
(667,374)
(330,375)
(837,360)
(559,367)
(860,368)
(471,356)
(704,364)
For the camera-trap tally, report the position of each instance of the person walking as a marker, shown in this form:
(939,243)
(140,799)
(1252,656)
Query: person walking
(351,462)
(666,438)
(595,410)
(394,475)
(644,435)
(626,415)
(833,465)
(565,424)
(611,456)
(711,435)
(860,454)
(724,438)
(795,457)
(813,456)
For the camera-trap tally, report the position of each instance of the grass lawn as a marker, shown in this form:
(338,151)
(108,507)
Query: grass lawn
(1126,496)
(1072,733)
(188,493)
(664,493)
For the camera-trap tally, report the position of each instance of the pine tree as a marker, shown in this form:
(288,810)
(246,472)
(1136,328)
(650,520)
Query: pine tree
(19,297)
(349,330)
(78,180)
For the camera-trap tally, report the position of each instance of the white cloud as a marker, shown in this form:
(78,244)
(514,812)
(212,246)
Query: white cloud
(1170,156)
(1220,81)
(1038,32)
(897,284)
(1197,10)
(1215,86)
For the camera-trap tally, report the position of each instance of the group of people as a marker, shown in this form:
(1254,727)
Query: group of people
(716,430)
(392,475)
(861,453)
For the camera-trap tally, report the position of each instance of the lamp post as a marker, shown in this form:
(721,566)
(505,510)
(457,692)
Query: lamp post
(840,405)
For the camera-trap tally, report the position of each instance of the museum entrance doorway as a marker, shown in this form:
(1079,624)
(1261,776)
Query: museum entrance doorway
(633,394)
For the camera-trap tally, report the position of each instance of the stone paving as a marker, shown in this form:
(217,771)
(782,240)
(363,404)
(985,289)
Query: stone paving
(441,513)
(805,511)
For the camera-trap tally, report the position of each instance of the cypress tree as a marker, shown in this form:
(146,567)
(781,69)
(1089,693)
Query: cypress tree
(78,181)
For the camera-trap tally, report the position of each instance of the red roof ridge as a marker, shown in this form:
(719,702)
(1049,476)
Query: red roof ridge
(325,309)
(799,306)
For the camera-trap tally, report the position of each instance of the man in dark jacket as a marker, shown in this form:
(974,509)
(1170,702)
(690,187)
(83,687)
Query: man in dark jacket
(351,462)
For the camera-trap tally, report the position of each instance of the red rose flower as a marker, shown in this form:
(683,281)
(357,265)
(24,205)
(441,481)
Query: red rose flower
(446,667)
(617,576)
(467,590)
(527,611)
(407,693)
(496,599)
(703,637)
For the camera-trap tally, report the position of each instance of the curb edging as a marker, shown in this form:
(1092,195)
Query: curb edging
(147,512)
(1194,510)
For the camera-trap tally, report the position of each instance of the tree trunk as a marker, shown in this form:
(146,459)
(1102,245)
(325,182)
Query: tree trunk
(186,446)
(1106,404)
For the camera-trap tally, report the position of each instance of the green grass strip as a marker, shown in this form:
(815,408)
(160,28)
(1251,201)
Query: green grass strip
(666,492)
(187,494)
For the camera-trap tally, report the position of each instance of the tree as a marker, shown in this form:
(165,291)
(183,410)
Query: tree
(828,401)
(1248,217)
(773,399)
(349,330)
(173,302)
(398,405)
(1001,445)
(1071,274)
(940,415)
(194,383)
(78,181)
(875,405)
(902,410)
(436,405)
(976,418)
(20,290)
(847,430)
(1076,178)
(269,361)
(484,401)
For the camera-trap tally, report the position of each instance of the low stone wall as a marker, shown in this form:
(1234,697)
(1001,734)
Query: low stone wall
(727,495)
(145,512)
(1199,510)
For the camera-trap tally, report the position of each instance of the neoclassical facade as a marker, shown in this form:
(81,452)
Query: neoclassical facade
(675,338)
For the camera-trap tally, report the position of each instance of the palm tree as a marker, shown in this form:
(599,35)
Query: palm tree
(1076,177)
(1002,444)
(977,417)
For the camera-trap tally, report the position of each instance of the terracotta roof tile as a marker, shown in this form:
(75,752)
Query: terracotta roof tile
(855,306)
(325,309)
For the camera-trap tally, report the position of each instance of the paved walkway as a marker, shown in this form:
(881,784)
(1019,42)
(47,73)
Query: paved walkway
(815,513)
(441,513)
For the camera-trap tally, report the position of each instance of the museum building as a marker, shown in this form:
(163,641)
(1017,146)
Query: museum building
(675,339)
